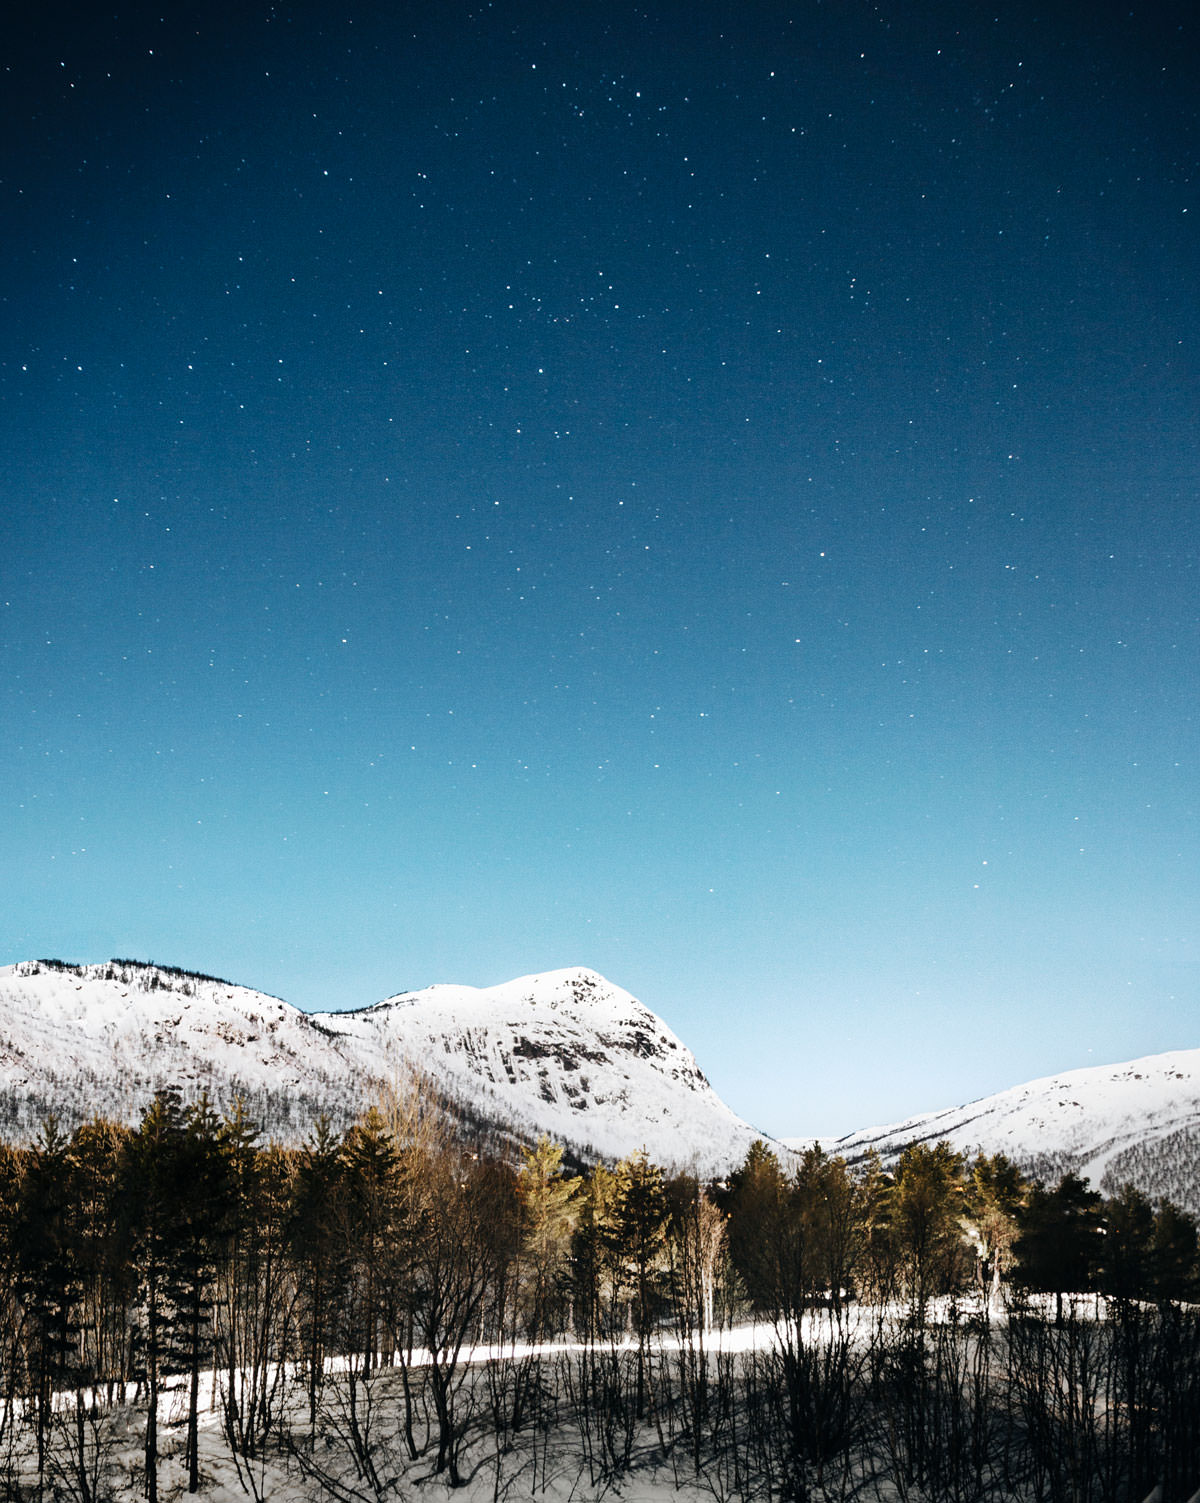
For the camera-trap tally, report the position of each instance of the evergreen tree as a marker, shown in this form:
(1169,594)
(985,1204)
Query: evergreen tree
(106,1282)
(755,1201)
(826,1207)
(1127,1270)
(45,1237)
(926,1205)
(549,1205)
(155,1188)
(370,1164)
(635,1231)
(595,1281)
(11,1315)
(994,1195)
(315,1227)
(253,1283)
(205,1205)
(1058,1244)
(1174,1256)
(878,1268)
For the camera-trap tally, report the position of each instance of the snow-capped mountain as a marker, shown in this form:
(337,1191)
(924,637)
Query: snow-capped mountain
(565,1053)
(1137,1122)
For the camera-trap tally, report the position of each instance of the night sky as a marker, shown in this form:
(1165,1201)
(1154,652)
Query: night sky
(707,492)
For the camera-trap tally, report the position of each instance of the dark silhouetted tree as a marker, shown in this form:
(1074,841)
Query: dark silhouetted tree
(1059,1240)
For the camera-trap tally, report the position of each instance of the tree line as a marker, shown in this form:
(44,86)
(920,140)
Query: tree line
(946,1328)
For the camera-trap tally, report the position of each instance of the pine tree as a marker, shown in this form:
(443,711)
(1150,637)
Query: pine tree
(1127,1271)
(995,1192)
(1058,1245)
(550,1209)
(825,1208)
(163,1182)
(45,1237)
(755,1201)
(206,1202)
(925,1208)
(635,1231)
(593,1279)
(254,1305)
(318,1249)
(106,1282)
(1174,1256)
(11,1317)
(370,1162)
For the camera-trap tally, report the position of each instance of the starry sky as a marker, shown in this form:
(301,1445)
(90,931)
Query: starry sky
(706,492)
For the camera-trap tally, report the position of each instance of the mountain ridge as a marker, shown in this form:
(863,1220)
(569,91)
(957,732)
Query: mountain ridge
(1135,1121)
(563,1052)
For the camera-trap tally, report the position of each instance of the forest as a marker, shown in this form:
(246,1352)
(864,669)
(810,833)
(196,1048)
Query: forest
(384,1310)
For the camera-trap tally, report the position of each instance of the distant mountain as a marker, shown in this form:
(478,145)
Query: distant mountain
(1133,1123)
(565,1053)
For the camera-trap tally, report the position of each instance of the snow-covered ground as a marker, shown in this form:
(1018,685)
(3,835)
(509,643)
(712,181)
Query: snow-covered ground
(564,1460)
(115,1438)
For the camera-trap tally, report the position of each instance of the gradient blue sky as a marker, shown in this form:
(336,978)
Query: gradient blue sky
(704,492)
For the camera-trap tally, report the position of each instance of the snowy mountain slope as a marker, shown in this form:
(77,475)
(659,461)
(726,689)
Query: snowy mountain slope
(1137,1122)
(565,1053)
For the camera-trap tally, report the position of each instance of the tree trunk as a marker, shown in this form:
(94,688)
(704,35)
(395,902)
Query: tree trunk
(152,1404)
(193,1426)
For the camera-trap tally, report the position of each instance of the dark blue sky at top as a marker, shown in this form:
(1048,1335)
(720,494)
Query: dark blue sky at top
(706,492)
